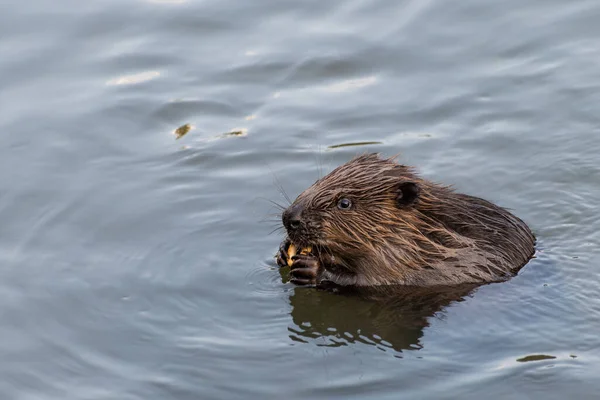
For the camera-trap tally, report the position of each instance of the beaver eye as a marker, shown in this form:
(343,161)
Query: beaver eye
(344,204)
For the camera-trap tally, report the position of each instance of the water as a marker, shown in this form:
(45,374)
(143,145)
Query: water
(137,266)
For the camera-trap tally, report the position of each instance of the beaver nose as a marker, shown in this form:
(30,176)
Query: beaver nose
(292,217)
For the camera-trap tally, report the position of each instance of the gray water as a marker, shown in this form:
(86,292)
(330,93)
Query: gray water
(137,266)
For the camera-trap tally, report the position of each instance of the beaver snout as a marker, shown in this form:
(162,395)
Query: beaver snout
(292,218)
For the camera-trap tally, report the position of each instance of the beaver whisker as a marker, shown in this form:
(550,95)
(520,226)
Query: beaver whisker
(279,228)
(279,206)
(282,190)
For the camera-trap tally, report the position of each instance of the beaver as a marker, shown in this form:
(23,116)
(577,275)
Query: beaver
(374,221)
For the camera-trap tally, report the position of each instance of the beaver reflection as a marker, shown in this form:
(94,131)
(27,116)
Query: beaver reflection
(386,317)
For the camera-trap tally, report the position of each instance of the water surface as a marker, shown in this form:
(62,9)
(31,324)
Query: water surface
(137,266)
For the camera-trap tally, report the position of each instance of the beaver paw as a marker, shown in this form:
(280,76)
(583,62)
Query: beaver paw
(305,270)
(282,254)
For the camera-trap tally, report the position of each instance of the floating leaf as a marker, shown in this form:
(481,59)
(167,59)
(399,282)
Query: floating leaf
(182,131)
(236,132)
(336,146)
(536,357)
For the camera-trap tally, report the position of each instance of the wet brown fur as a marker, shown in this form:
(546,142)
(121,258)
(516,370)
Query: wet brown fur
(442,238)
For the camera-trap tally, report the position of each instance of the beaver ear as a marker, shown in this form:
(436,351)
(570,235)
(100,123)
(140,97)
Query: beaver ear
(407,193)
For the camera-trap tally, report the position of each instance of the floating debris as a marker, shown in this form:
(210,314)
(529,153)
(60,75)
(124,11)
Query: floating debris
(182,131)
(337,146)
(235,132)
(536,357)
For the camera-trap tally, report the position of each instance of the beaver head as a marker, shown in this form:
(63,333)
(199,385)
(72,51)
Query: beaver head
(373,221)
